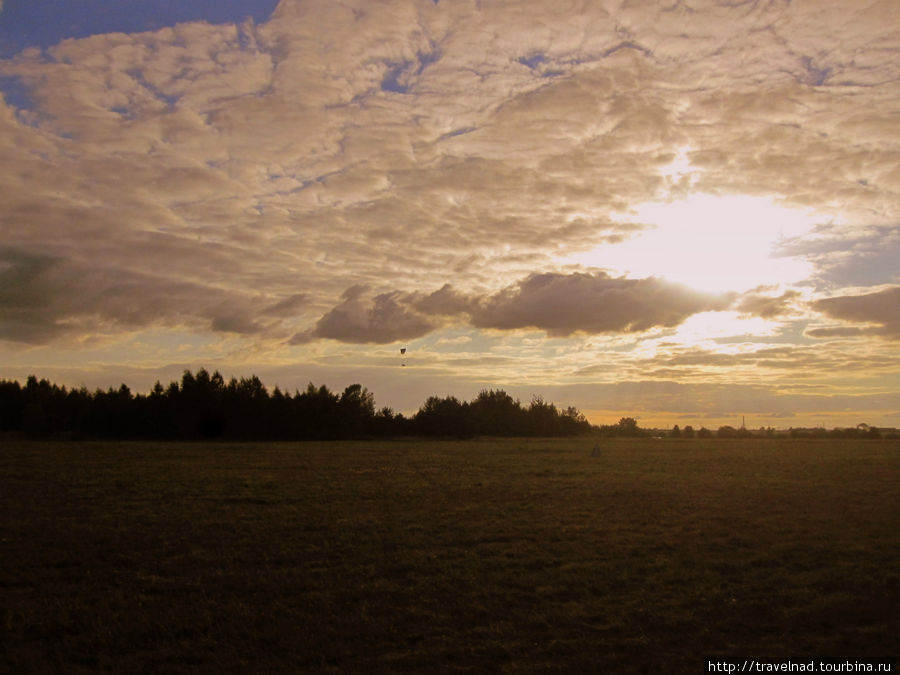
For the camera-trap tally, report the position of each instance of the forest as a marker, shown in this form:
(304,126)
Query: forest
(204,406)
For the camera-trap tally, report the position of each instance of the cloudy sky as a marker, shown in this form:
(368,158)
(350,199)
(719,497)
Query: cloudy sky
(685,211)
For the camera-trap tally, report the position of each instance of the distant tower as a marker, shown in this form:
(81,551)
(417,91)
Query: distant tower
(743,422)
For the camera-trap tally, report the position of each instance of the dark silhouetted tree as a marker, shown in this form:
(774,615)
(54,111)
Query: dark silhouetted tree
(496,413)
(12,406)
(572,422)
(628,427)
(541,418)
(356,409)
(443,417)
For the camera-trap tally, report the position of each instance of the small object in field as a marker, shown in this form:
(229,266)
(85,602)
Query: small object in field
(596,451)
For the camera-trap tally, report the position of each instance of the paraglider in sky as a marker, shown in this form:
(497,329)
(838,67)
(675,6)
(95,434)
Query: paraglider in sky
(402,352)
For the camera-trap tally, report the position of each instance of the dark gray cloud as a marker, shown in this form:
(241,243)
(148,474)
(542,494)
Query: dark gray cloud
(864,256)
(26,294)
(45,298)
(289,306)
(445,301)
(881,308)
(563,304)
(360,319)
(766,306)
(558,304)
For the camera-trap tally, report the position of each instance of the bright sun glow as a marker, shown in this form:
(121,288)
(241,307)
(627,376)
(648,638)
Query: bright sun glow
(706,327)
(709,242)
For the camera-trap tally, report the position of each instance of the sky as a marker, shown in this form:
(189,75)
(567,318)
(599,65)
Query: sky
(684,211)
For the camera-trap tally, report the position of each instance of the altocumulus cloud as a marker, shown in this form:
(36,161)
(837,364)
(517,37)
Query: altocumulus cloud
(403,137)
(319,174)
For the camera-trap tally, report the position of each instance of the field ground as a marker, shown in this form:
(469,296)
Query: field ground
(494,555)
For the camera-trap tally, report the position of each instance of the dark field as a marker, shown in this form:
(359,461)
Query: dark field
(423,556)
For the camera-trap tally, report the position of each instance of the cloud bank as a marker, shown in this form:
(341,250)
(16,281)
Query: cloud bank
(43,299)
(881,308)
(558,304)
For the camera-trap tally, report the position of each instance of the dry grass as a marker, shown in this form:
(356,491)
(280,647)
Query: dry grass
(500,555)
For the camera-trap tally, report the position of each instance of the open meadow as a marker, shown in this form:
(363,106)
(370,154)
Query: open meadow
(504,555)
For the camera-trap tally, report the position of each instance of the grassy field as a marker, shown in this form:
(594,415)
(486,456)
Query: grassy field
(489,555)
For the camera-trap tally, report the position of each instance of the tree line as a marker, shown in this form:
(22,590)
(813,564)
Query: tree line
(204,406)
(728,431)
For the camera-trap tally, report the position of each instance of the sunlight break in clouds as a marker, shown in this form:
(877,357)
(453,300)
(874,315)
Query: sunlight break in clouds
(585,190)
(709,242)
(723,243)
